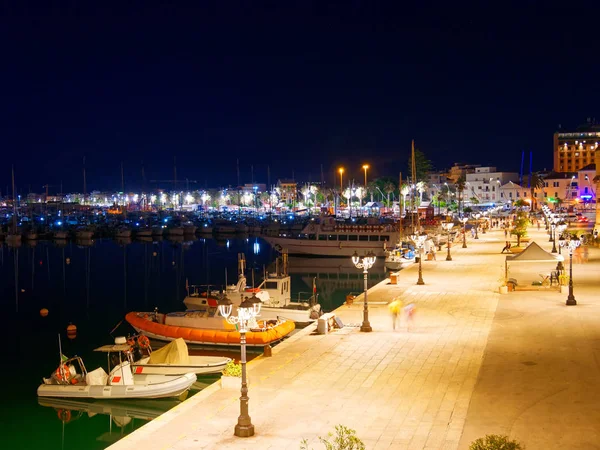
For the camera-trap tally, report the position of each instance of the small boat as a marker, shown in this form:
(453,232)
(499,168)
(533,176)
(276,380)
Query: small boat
(61,234)
(157,231)
(84,233)
(400,257)
(175,231)
(144,232)
(206,328)
(189,229)
(123,232)
(173,359)
(72,380)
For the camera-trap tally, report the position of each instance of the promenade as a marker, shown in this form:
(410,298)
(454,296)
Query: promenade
(473,363)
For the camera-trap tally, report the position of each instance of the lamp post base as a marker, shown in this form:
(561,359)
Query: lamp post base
(420,281)
(366,327)
(244,430)
(571,301)
(448,258)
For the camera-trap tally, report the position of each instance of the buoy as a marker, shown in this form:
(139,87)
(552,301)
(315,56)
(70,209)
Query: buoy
(154,253)
(71,331)
(68,260)
(43,312)
(41,263)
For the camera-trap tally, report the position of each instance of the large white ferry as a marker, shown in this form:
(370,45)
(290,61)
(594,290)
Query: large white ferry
(330,238)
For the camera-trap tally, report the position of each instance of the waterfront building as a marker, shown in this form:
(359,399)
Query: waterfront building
(576,149)
(560,188)
(461,169)
(511,192)
(288,190)
(485,183)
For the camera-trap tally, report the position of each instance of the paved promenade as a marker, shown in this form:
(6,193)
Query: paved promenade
(474,362)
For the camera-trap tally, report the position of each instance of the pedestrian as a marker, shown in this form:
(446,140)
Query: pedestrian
(409,311)
(506,247)
(472,232)
(433,252)
(395,306)
(505,232)
(538,224)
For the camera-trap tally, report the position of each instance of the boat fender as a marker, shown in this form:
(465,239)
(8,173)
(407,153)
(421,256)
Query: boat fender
(64,415)
(143,341)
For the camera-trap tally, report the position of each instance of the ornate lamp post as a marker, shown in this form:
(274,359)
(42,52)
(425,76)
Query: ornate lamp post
(448,226)
(419,241)
(571,243)
(464,221)
(365,263)
(553,225)
(247,312)
(476,216)
(560,229)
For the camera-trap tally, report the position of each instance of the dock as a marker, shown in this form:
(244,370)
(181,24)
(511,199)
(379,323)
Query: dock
(473,362)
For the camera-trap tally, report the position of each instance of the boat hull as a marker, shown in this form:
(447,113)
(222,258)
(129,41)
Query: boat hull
(145,387)
(300,316)
(327,248)
(142,323)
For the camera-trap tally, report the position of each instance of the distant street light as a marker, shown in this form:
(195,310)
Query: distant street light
(365,263)
(448,226)
(464,221)
(419,241)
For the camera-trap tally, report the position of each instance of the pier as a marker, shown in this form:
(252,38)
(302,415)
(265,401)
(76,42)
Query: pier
(474,362)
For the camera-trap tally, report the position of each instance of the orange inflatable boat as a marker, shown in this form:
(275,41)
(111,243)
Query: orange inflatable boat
(195,328)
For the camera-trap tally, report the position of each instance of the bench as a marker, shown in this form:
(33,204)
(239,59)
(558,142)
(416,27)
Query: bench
(325,323)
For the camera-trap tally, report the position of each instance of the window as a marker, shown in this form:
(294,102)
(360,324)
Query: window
(545,194)
(322,237)
(373,238)
(353,237)
(332,237)
(518,195)
(343,237)
(384,238)
(556,194)
(312,236)
(363,237)
(510,194)
(271,285)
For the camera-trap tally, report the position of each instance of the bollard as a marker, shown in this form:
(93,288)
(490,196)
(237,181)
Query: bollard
(267,351)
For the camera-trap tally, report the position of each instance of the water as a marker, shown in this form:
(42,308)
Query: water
(93,286)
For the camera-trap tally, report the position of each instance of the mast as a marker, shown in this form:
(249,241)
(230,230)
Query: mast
(414,183)
(14,218)
(84,182)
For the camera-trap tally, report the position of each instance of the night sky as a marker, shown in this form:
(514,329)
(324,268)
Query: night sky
(290,84)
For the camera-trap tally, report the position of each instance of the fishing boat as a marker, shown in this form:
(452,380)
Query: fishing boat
(84,233)
(330,238)
(206,328)
(61,234)
(172,359)
(72,380)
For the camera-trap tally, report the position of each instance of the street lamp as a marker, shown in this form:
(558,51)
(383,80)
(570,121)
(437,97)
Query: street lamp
(476,216)
(419,241)
(571,244)
(247,312)
(341,171)
(554,223)
(448,226)
(560,229)
(464,221)
(365,263)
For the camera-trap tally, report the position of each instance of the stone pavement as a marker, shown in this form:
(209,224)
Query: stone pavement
(474,362)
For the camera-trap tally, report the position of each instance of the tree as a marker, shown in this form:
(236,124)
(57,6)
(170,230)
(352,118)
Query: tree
(371,188)
(535,182)
(422,166)
(421,187)
(460,184)
(520,228)
(389,188)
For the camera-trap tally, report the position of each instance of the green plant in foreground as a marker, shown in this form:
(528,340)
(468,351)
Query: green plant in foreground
(345,439)
(495,442)
(232,369)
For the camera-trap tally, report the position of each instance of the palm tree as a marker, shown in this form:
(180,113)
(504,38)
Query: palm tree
(371,188)
(404,190)
(535,182)
(388,188)
(421,187)
(460,184)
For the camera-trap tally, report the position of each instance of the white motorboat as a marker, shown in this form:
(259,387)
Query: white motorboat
(61,234)
(144,232)
(331,239)
(189,228)
(174,359)
(274,292)
(175,231)
(72,380)
(84,233)
(399,258)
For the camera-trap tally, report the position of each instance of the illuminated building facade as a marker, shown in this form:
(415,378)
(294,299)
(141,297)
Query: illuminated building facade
(576,149)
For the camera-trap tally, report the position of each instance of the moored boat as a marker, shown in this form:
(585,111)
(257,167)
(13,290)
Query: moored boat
(174,359)
(72,380)
(206,328)
(329,238)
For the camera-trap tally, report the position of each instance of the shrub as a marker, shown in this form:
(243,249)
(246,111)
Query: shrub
(345,439)
(232,369)
(495,442)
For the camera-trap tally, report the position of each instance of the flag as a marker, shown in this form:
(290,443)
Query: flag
(63,358)
(314,285)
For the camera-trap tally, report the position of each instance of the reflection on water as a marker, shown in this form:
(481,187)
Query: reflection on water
(92,284)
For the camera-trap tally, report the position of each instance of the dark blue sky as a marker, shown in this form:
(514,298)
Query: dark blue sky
(292,84)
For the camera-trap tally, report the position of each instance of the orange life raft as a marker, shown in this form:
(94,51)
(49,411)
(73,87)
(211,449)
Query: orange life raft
(143,323)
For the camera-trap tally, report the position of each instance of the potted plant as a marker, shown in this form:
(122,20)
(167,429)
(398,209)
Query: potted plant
(563,281)
(231,377)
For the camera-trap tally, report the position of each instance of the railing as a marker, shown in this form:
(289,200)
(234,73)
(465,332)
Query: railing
(308,297)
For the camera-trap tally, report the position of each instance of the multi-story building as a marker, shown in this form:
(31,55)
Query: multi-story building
(485,183)
(576,149)
(559,188)
(461,169)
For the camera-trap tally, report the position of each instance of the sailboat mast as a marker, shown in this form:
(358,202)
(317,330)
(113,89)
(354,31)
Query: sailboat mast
(414,183)
(14,218)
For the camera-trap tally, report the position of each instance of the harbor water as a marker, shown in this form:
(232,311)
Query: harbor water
(91,285)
